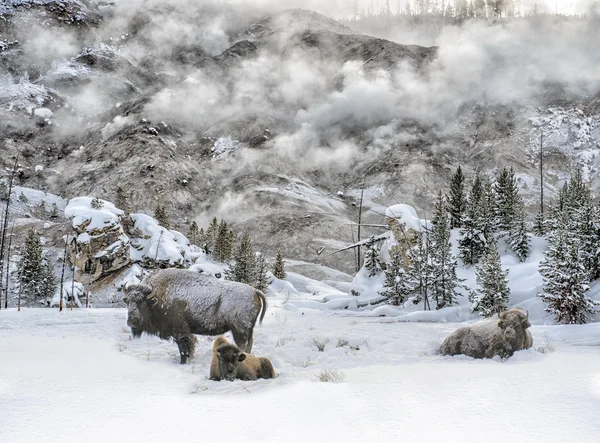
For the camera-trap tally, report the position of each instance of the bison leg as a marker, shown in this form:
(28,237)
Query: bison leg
(187,346)
(242,341)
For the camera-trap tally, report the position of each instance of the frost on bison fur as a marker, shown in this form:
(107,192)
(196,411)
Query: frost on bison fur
(501,335)
(176,304)
(229,363)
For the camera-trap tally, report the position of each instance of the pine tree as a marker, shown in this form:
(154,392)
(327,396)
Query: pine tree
(566,279)
(122,202)
(3,191)
(162,217)
(49,280)
(211,234)
(32,270)
(262,282)
(372,260)
(519,238)
(23,198)
(244,267)
(42,209)
(443,264)
(396,286)
(223,248)
(279,267)
(419,270)
(494,293)
(457,201)
(486,212)
(539,225)
(194,234)
(507,194)
(472,242)
(54,212)
(585,226)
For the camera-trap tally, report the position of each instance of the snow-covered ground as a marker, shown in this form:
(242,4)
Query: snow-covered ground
(76,376)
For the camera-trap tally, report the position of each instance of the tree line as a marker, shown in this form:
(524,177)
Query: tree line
(484,215)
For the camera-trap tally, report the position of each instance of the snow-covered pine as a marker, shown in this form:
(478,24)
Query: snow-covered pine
(50,281)
(444,281)
(419,271)
(539,225)
(472,241)
(518,237)
(396,287)
(457,201)
(193,234)
(211,234)
(585,224)
(122,202)
(162,217)
(279,267)
(372,260)
(487,217)
(507,193)
(566,279)
(493,294)
(244,268)
(32,269)
(262,281)
(223,247)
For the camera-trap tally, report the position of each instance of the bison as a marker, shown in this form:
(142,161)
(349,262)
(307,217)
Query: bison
(502,335)
(176,304)
(229,363)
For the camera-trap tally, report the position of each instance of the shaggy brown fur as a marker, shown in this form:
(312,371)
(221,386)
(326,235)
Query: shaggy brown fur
(501,336)
(229,363)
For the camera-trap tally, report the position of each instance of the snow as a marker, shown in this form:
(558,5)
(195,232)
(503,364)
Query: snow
(156,242)
(406,215)
(42,112)
(225,146)
(81,364)
(91,220)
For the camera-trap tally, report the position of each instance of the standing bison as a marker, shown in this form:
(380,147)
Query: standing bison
(177,304)
(502,335)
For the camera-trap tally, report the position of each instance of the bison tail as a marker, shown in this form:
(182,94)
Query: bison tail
(263,302)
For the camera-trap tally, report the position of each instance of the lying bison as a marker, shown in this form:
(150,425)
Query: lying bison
(177,304)
(229,363)
(502,335)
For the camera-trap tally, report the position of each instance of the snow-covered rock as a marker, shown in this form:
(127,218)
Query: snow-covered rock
(405,215)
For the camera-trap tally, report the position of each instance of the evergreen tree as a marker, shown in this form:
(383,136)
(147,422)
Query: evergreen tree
(472,242)
(223,248)
(3,191)
(493,295)
(456,200)
(566,279)
(42,209)
(419,271)
(585,226)
(372,260)
(262,282)
(507,194)
(211,234)
(122,202)
(279,267)
(50,281)
(23,198)
(194,235)
(162,217)
(519,238)
(54,213)
(539,225)
(244,267)
(443,264)
(396,286)
(486,212)
(32,272)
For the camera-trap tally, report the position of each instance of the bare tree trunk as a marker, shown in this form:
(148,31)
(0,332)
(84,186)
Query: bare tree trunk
(5,225)
(358,262)
(62,273)
(12,230)
(20,290)
(542,175)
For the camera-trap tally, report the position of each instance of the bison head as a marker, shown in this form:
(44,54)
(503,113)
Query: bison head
(229,357)
(139,302)
(514,318)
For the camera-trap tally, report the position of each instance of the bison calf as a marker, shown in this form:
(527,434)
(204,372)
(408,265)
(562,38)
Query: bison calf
(229,363)
(502,335)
